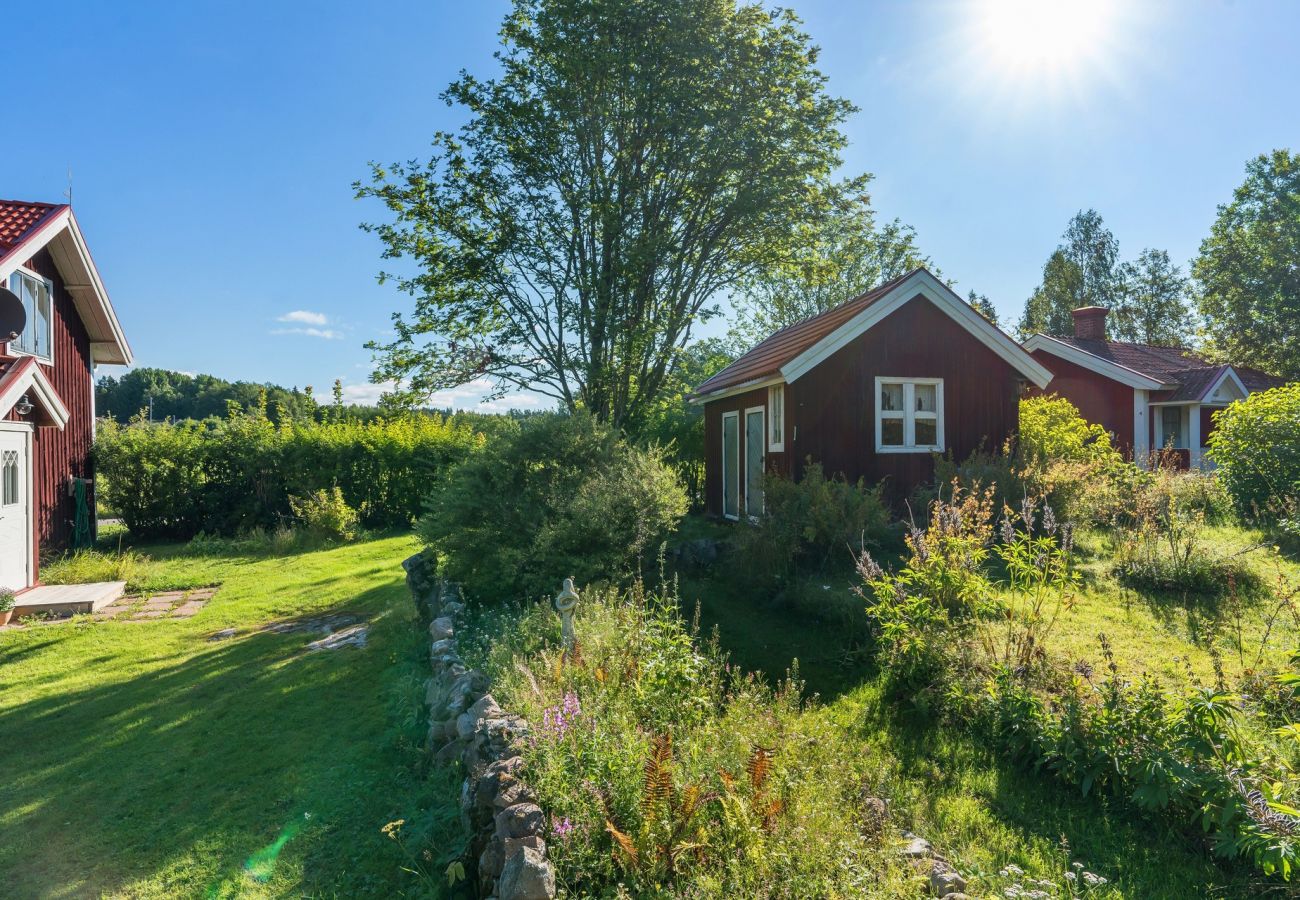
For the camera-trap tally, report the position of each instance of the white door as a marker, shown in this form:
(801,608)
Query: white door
(755,439)
(15,520)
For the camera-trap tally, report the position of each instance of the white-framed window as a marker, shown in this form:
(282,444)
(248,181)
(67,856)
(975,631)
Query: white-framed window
(37,296)
(909,415)
(776,418)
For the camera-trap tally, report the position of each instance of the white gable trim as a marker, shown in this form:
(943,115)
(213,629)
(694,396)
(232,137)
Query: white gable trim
(742,388)
(1094,363)
(1218,382)
(924,284)
(81,280)
(31,380)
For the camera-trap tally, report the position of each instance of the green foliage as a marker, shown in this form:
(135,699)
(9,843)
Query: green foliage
(666,772)
(1147,297)
(632,161)
(556,496)
(676,424)
(1051,430)
(1256,446)
(1248,283)
(845,253)
(812,525)
(6,599)
(326,514)
(230,476)
(175,396)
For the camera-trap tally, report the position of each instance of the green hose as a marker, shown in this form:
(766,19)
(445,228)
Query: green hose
(81,522)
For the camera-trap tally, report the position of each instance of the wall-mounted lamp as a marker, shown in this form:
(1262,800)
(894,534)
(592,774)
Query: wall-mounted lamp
(24,406)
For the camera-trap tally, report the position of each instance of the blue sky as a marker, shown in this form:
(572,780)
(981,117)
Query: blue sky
(213,145)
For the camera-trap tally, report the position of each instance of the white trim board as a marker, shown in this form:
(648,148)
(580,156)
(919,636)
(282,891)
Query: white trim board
(920,283)
(1094,363)
(742,388)
(32,379)
(1218,382)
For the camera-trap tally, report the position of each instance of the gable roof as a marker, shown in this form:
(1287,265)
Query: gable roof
(1188,375)
(28,227)
(23,376)
(795,349)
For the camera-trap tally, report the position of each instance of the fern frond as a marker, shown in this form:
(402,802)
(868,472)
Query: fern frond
(623,844)
(774,809)
(728,780)
(658,787)
(758,767)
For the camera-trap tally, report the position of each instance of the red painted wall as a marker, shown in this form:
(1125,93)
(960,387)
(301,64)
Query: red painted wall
(830,411)
(60,455)
(1098,398)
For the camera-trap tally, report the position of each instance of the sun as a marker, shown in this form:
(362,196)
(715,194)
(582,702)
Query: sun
(1044,37)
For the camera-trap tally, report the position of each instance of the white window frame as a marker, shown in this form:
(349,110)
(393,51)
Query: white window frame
(908,415)
(725,469)
(14,349)
(776,419)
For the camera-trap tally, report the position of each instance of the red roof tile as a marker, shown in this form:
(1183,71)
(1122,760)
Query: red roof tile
(767,358)
(18,218)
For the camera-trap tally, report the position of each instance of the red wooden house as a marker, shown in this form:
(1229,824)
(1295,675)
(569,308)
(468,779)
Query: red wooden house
(1149,398)
(47,396)
(870,389)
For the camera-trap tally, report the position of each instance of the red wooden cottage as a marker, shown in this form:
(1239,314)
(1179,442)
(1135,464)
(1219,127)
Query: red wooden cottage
(1149,398)
(870,389)
(47,396)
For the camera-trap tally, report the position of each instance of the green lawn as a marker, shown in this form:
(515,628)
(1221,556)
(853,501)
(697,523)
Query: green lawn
(145,760)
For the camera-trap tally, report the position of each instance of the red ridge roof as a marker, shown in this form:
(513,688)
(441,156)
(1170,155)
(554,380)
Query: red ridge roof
(19,218)
(1193,373)
(768,356)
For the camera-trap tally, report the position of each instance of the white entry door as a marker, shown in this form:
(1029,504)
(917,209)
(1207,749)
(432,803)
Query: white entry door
(15,509)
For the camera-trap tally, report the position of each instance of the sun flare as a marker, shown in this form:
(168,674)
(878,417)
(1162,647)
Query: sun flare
(1045,37)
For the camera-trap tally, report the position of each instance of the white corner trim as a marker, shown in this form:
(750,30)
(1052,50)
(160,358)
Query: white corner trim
(33,380)
(742,388)
(1093,362)
(923,283)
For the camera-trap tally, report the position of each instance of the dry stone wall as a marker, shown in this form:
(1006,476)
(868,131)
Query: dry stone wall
(467,728)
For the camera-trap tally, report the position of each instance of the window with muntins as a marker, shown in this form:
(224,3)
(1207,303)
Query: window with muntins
(909,415)
(9,494)
(37,296)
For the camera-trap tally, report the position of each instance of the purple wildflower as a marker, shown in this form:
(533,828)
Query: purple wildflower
(561,828)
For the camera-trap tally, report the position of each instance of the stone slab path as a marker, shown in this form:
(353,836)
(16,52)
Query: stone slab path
(167,605)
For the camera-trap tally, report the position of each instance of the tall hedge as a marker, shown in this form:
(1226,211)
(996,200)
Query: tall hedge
(226,476)
(1256,445)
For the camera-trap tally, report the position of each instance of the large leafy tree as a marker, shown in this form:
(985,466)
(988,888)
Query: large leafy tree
(1152,307)
(633,160)
(844,253)
(1048,309)
(1083,271)
(1248,271)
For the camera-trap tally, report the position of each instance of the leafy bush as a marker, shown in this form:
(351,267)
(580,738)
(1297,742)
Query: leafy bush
(326,514)
(1256,445)
(6,599)
(996,469)
(667,773)
(1051,430)
(809,524)
(555,496)
(230,476)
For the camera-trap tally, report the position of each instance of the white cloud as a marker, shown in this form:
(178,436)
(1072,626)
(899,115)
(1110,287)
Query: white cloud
(304,317)
(328,334)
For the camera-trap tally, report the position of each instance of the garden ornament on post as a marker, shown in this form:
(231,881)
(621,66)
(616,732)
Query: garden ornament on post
(564,605)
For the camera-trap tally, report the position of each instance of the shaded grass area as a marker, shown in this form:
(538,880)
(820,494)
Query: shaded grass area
(982,810)
(148,761)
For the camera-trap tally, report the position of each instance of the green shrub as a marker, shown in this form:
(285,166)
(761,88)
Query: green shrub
(1051,430)
(809,526)
(326,514)
(996,469)
(1256,446)
(666,773)
(227,477)
(553,497)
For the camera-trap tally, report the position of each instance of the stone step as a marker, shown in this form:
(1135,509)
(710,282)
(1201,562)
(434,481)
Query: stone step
(67,599)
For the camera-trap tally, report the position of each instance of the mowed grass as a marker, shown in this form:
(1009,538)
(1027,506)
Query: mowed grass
(144,760)
(945,783)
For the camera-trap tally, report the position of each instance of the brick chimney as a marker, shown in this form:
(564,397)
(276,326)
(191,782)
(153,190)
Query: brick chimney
(1090,323)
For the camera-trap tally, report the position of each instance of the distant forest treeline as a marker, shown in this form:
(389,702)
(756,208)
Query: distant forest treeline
(164,395)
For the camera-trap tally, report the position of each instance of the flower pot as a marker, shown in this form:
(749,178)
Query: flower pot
(5,617)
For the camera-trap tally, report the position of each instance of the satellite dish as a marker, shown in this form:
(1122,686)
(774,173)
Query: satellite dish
(13,316)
